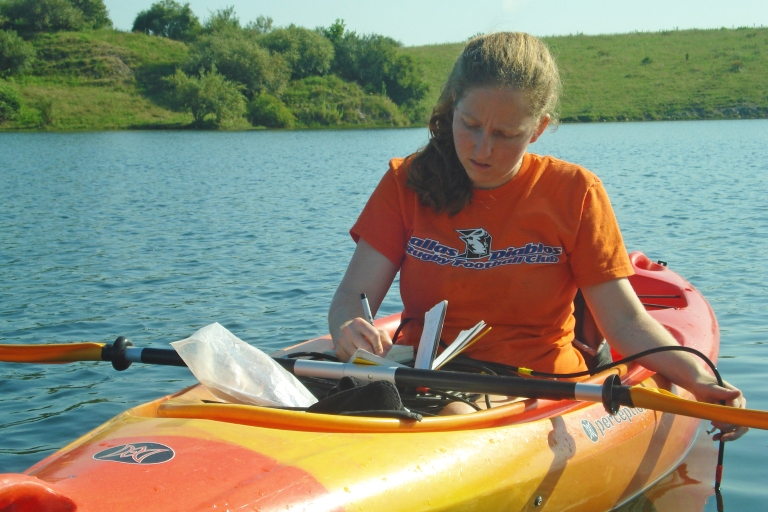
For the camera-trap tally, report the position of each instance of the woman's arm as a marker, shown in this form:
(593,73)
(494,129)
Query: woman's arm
(369,272)
(628,327)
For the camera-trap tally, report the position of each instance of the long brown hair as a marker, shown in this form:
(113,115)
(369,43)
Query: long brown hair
(506,59)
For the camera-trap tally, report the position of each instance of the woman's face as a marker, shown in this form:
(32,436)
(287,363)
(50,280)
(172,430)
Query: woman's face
(492,130)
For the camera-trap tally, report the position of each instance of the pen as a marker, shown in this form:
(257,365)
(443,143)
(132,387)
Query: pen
(366,308)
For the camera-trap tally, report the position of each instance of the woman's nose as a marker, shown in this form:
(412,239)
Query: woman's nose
(483,145)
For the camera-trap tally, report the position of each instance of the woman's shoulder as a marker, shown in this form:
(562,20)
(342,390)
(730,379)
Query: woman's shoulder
(400,167)
(551,168)
(398,173)
(394,182)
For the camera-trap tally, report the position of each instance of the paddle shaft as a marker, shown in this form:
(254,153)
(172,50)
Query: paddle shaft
(446,380)
(610,394)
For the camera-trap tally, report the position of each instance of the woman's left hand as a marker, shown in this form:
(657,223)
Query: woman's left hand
(711,392)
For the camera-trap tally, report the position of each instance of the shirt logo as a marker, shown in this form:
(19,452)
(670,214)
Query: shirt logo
(478,242)
(137,453)
(478,253)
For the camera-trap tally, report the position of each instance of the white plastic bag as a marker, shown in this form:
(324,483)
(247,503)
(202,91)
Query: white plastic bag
(236,372)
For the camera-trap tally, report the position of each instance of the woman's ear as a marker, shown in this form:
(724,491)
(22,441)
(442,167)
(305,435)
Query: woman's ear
(543,123)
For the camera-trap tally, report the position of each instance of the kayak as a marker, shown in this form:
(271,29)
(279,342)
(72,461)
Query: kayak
(188,452)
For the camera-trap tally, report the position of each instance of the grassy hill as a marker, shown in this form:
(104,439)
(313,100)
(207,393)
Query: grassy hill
(99,80)
(691,74)
(108,79)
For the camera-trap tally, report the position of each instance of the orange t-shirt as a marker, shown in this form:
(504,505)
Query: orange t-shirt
(513,257)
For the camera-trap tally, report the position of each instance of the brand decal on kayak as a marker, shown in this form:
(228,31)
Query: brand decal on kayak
(137,453)
(596,430)
(478,253)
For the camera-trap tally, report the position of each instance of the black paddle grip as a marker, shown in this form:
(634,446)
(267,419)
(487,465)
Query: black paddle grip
(116,353)
(615,395)
(162,356)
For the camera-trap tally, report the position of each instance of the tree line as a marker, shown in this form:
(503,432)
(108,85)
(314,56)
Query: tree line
(274,76)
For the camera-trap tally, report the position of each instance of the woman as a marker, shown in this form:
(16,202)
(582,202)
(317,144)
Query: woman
(504,235)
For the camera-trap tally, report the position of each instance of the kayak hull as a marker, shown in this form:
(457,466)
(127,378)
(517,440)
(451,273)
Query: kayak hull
(183,453)
(228,466)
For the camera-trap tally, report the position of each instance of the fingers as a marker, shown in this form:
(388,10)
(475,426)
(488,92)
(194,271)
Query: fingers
(730,435)
(711,392)
(733,398)
(358,333)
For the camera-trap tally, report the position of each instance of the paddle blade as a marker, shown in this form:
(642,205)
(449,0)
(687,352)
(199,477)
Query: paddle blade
(662,400)
(60,353)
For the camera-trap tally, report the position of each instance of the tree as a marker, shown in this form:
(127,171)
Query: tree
(94,12)
(241,60)
(375,63)
(168,18)
(262,25)
(334,33)
(211,94)
(30,16)
(222,20)
(15,53)
(306,52)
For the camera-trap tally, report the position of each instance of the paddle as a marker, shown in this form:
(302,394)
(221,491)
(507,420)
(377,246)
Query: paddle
(611,393)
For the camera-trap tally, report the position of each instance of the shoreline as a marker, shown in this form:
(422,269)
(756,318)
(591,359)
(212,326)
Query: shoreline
(161,128)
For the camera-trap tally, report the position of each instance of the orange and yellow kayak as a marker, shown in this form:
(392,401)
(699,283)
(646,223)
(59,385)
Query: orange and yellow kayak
(181,452)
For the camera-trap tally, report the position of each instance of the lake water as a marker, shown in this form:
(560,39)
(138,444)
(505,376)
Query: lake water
(153,235)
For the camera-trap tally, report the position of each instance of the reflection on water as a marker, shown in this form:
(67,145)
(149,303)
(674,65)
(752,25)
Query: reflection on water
(154,235)
(688,488)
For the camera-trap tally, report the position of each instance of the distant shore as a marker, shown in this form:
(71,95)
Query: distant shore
(100,80)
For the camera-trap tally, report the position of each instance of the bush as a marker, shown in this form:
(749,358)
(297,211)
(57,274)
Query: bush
(211,94)
(239,59)
(306,52)
(329,101)
(15,54)
(266,110)
(47,116)
(168,18)
(29,16)
(10,102)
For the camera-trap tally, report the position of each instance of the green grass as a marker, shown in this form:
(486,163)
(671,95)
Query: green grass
(98,80)
(646,76)
(87,107)
(106,79)
(436,61)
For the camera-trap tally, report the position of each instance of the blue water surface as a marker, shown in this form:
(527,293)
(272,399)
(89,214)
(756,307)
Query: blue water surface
(153,235)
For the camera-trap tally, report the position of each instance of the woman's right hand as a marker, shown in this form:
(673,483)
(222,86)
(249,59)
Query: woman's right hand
(358,333)
(369,272)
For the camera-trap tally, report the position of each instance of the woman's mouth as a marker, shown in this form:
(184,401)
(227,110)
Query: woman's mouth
(479,165)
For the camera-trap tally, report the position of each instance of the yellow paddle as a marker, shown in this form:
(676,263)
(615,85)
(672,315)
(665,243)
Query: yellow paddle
(60,353)
(611,393)
(663,400)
